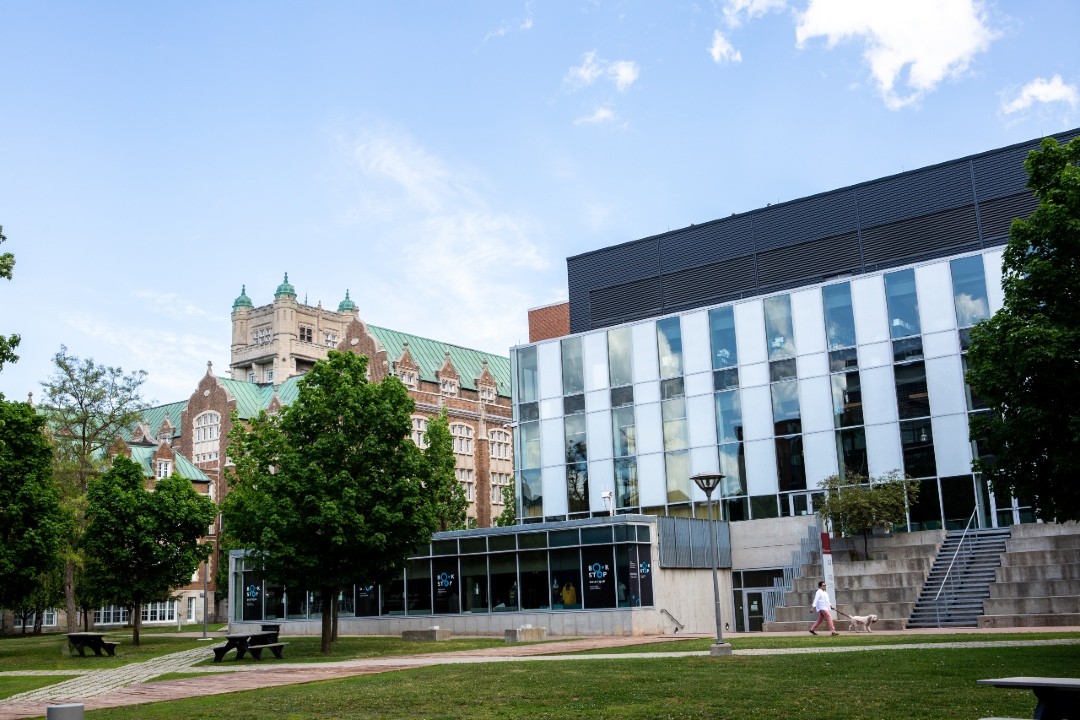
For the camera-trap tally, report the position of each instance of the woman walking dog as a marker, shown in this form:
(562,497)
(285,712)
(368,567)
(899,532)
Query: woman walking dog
(822,605)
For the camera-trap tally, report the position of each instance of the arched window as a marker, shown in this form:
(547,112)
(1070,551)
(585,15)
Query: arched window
(206,437)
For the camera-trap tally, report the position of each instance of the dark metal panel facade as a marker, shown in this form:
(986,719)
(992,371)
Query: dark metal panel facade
(955,207)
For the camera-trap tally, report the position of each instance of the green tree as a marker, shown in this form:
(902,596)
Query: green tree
(446,492)
(87,407)
(855,505)
(9,343)
(332,491)
(508,516)
(33,525)
(1024,362)
(141,542)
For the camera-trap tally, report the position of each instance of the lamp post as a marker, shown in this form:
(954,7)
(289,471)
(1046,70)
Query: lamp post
(708,482)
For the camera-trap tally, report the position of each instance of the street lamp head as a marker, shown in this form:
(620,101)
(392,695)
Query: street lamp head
(707,482)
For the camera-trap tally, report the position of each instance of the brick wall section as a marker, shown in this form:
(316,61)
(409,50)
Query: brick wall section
(552,321)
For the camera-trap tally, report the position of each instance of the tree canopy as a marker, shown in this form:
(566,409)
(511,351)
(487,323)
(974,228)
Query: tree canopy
(855,505)
(332,491)
(141,542)
(446,492)
(33,526)
(87,406)
(1024,362)
(9,343)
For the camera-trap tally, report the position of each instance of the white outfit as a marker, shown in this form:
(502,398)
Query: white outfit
(821,601)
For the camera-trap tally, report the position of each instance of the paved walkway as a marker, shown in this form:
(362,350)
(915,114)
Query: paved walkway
(128,684)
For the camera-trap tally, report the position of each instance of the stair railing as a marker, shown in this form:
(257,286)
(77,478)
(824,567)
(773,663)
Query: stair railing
(949,577)
(774,598)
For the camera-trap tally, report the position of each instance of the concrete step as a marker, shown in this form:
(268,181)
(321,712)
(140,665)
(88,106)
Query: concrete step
(1045,529)
(1049,620)
(1038,573)
(1033,605)
(1044,542)
(874,567)
(1047,588)
(1041,557)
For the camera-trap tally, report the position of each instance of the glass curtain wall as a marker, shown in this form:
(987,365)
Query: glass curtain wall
(577,466)
(846,384)
(787,417)
(624,429)
(729,424)
(673,412)
(527,442)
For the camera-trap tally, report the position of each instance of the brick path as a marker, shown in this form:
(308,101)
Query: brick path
(127,685)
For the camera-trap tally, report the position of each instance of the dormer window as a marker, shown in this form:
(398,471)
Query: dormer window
(164,469)
(408,379)
(487,393)
(449,386)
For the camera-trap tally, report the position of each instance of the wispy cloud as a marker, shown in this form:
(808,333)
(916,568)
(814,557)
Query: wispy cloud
(520,24)
(1044,92)
(737,11)
(911,47)
(436,219)
(722,51)
(172,305)
(171,358)
(622,73)
(601,115)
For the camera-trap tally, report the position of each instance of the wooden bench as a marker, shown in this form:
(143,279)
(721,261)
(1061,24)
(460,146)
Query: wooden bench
(276,648)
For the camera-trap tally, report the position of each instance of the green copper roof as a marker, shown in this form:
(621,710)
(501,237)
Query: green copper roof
(243,300)
(430,354)
(153,417)
(181,465)
(346,305)
(285,288)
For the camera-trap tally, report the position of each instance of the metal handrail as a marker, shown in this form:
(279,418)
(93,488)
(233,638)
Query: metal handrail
(948,572)
(774,598)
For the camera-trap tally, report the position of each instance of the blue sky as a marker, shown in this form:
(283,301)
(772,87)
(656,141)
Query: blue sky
(441,160)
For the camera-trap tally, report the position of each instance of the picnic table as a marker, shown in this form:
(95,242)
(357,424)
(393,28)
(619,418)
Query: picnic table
(1057,697)
(94,640)
(250,642)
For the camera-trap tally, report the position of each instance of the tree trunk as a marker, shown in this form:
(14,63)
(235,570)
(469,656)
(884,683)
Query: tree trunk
(136,623)
(334,634)
(327,619)
(69,596)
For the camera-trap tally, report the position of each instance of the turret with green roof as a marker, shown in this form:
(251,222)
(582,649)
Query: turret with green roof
(285,288)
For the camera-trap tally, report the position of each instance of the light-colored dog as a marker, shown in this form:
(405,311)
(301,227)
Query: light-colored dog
(859,622)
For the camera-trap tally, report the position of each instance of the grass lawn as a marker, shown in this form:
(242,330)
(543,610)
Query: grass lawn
(764,641)
(12,685)
(928,683)
(307,648)
(50,652)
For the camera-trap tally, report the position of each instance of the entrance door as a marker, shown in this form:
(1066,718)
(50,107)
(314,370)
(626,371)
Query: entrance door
(753,610)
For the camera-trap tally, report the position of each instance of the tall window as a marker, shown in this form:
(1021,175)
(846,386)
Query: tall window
(419,430)
(577,468)
(573,370)
(500,444)
(528,388)
(728,402)
(207,436)
(669,347)
(463,438)
(306,334)
(620,357)
(839,316)
(903,304)
(779,332)
(164,468)
(676,440)
(969,291)
(624,442)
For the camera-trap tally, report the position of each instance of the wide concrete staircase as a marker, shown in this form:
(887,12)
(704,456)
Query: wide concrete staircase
(1038,582)
(886,585)
(960,580)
